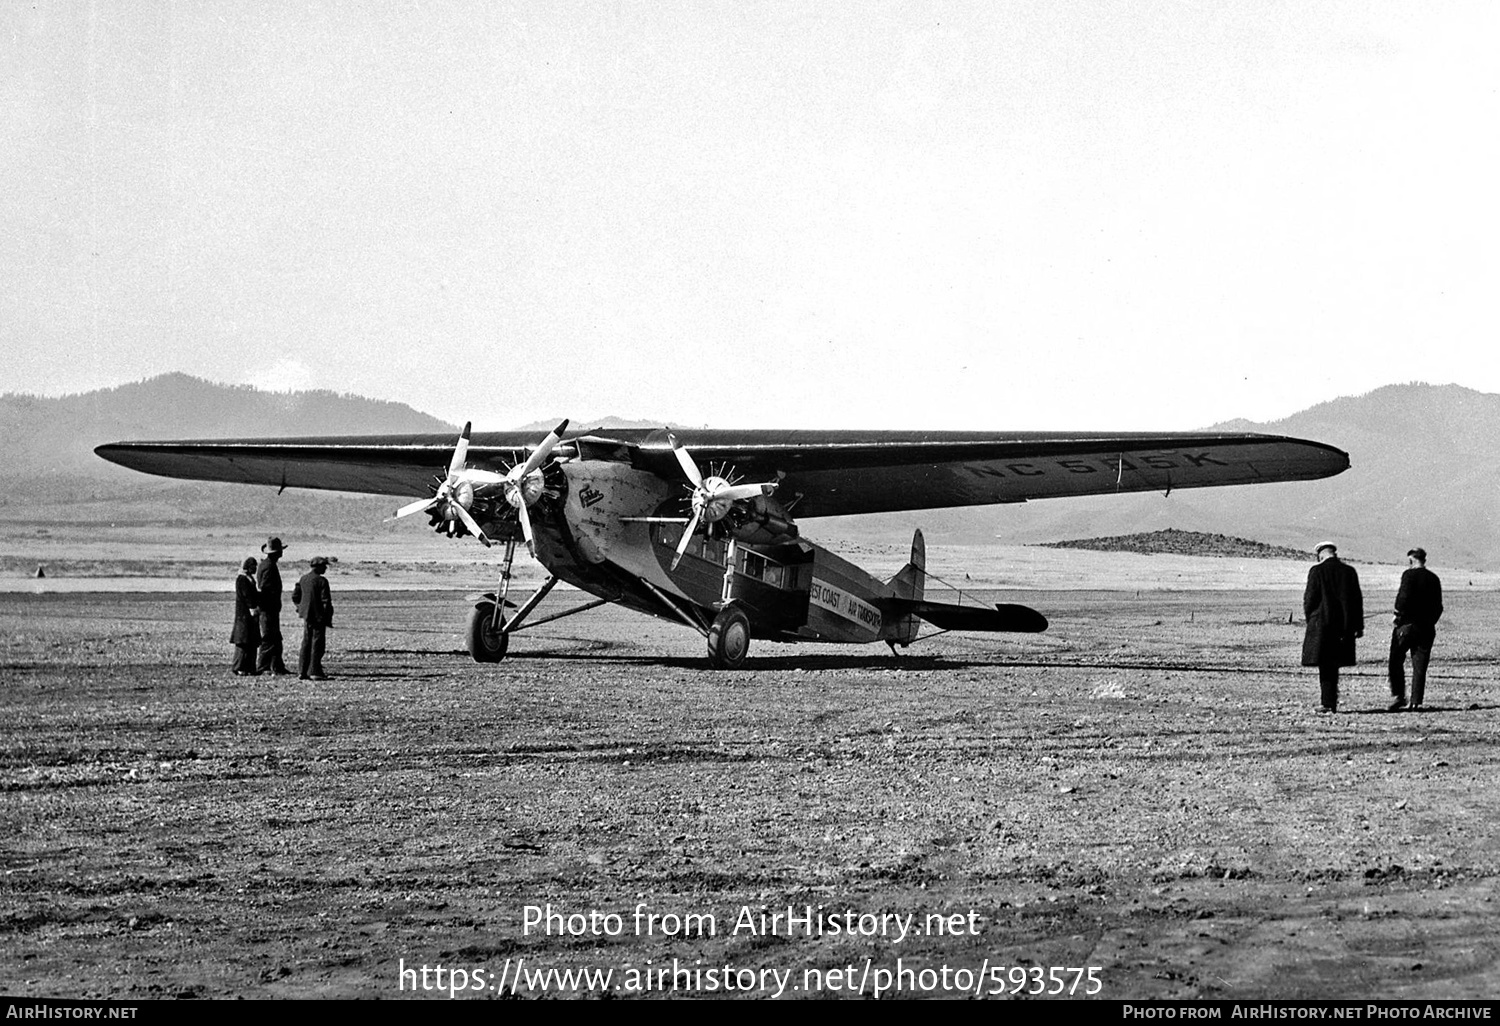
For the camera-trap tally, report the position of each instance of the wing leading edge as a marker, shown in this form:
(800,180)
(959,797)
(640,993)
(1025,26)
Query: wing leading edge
(828,473)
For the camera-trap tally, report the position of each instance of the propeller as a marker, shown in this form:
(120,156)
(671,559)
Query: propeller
(713,496)
(455,494)
(523,485)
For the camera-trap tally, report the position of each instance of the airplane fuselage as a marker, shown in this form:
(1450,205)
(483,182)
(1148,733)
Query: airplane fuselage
(613,531)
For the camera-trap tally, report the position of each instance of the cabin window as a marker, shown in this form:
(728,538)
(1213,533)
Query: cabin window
(762,568)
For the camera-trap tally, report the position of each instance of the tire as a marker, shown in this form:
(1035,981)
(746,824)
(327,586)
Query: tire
(729,640)
(486,643)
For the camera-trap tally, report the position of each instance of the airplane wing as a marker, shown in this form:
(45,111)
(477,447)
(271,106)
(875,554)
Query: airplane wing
(838,473)
(823,473)
(380,465)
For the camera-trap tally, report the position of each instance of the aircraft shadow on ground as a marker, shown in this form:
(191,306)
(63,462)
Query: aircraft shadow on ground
(787,663)
(600,652)
(864,661)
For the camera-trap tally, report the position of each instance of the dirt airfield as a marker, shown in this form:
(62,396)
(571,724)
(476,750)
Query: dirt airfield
(1146,789)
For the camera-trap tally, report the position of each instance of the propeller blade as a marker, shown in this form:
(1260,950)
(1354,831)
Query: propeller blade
(525,518)
(460,451)
(734,493)
(687,538)
(539,456)
(470,523)
(688,466)
(414,507)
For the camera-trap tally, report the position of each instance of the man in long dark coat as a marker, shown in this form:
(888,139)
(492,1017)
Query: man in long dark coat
(268,584)
(1335,611)
(1419,606)
(246,633)
(314,600)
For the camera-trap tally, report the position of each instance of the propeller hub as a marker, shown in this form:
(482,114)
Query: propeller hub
(706,503)
(461,494)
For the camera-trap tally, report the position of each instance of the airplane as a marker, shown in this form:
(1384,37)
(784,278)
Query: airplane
(703,527)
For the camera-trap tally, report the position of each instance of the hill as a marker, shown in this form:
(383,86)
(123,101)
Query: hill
(47,435)
(1182,543)
(50,475)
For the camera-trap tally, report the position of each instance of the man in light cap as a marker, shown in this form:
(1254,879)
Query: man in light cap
(1334,609)
(1419,606)
(314,601)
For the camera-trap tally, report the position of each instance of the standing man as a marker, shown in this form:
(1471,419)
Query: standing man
(245,635)
(1335,611)
(268,584)
(314,601)
(1419,606)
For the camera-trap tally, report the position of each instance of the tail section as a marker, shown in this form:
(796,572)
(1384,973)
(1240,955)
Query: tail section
(909,585)
(910,582)
(908,605)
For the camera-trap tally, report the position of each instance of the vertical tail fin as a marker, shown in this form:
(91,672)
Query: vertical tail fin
(909,583)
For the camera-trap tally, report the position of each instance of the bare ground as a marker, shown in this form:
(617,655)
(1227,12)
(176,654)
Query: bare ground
(1146,788)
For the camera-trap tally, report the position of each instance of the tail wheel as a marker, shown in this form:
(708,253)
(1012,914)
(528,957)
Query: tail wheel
(729,640)
(487,643)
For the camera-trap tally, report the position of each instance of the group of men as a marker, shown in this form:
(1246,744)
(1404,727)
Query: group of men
(257,615)
(1334,609)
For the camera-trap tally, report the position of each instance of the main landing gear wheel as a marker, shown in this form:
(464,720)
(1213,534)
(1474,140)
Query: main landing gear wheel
(729,640)
(487,643)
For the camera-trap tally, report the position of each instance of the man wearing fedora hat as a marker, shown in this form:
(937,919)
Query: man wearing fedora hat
(1419,606)
(268,584)
(314,601)
(1334,609)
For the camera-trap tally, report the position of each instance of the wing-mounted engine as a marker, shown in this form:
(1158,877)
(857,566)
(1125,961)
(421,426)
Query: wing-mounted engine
(471,496)
(722,505)
(454,497)
(762,520)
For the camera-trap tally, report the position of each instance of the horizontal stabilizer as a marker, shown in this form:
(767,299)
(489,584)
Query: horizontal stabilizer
(1006,618)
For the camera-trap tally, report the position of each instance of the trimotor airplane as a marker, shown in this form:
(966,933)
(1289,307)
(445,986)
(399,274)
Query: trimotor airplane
(703,528)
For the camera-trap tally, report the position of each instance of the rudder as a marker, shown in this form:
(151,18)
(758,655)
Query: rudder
(909,583)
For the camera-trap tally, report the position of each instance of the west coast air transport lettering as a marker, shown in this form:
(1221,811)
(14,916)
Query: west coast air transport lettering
(841,603)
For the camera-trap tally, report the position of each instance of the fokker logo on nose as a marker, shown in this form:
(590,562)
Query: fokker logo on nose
(590,496)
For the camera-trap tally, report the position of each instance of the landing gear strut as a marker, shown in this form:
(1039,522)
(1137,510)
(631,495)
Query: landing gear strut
(729,639)
(488,637)
(490,631)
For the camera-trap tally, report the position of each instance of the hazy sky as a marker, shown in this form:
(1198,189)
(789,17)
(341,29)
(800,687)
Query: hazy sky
(961,215)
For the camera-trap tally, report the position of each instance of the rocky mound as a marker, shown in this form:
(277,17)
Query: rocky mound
(1182,543)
